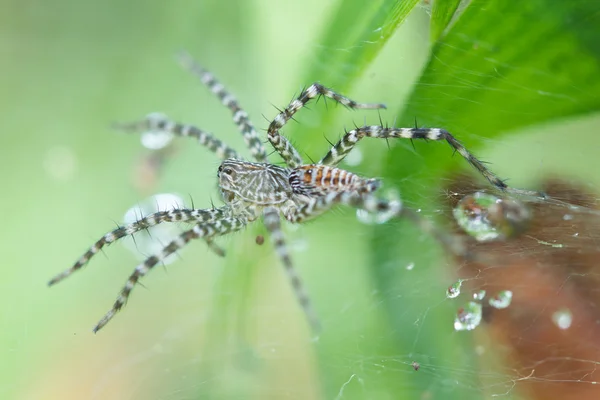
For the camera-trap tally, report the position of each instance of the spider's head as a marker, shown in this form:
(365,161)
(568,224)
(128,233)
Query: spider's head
(227,175)
(256,183)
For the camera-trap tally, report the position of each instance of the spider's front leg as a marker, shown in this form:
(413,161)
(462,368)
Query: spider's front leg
(176,215)
(273,225)
(341,149)
(206,230)
(160,123)
(281,144)
(240,117)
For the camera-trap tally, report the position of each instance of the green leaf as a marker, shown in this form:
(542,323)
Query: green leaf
(442,12)
(355,34)
(501,66)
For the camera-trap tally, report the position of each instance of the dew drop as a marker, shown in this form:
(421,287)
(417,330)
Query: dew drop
(502,299)
(469,317)
(487,217)
(156,140)
(454,290)
(563,318)
(479,295)
(377,218)
(410,266)
(152,242)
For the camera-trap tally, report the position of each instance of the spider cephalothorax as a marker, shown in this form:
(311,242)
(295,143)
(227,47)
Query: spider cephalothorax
(252,190)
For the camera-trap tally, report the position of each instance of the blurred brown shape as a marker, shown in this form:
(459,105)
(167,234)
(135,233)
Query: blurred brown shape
(553,269)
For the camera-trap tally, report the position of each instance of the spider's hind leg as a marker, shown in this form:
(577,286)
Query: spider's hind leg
(208,230)
(273,225)
(387,209)
(175,215)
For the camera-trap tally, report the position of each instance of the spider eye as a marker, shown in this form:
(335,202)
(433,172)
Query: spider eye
(227,171)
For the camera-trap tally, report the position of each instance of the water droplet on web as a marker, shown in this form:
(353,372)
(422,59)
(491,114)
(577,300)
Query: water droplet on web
(376,218)
(487,217)
(354,158)
(479,295)
(454,290)
(502,299)
(410,266)
(156,140)
(468,317)
(152,242)
(365,217)
(563,318)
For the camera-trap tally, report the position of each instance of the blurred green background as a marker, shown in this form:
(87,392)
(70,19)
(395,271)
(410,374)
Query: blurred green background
(230,328)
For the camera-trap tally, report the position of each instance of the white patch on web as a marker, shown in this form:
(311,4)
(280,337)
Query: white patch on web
(502,299)
(381,217)
(563,318)
(453,290)
(479,295)
(153,139)
(469,317)
(152,241)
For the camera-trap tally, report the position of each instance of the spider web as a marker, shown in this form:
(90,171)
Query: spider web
(244,336)
(208,327)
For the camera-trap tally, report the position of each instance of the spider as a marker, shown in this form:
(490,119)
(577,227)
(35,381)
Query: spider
(257,189)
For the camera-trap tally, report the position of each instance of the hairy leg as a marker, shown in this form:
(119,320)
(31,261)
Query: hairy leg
(289,154)
(240,117)
(273,225)
(341,149)
(159,123)
(205,230)
(176,215)
(389,209)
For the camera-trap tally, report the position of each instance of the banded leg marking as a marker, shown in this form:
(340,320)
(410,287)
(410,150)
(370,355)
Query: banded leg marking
(273,225)
(206,230)
(240,117)
(176,215)
(341,149)
(392,208)
(281,144)
(156,123)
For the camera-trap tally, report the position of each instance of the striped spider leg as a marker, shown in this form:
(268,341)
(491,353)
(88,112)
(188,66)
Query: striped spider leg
(176,215)
(341,149)
(207,230)
(159,123)
(281,144)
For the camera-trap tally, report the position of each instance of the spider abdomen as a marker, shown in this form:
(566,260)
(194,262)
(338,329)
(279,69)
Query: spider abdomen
(315,179)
